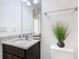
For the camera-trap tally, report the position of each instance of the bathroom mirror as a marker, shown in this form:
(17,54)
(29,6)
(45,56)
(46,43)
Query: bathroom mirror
(10,17)
(20,17)
(31,16)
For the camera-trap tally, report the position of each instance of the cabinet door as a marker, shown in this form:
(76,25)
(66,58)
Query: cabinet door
(4,55)
(8,56)
(14,57)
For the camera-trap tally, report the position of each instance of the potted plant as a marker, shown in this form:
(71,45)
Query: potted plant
(60,32)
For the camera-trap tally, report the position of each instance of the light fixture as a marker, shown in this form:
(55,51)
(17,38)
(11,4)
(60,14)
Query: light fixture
(28,3)
(35,1)
(23,0)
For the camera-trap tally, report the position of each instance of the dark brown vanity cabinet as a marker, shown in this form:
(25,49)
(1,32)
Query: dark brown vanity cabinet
(9,56)
(11,52)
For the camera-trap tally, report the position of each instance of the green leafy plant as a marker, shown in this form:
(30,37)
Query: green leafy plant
(60,32)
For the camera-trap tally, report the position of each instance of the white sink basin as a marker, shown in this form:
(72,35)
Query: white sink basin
(22,42)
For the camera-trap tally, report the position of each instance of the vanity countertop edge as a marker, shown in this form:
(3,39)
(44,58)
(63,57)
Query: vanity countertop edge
(24,44)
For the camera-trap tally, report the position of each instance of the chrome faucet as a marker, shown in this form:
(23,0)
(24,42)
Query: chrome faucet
(20,36)
(26,37)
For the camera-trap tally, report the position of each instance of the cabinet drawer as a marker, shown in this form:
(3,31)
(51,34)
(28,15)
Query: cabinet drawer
(14,57)
(14,50)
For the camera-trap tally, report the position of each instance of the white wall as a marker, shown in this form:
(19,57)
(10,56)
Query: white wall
(10,17)
(48,21)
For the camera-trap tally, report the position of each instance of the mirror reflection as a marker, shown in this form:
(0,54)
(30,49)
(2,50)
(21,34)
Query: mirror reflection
(20,17)
(31,16)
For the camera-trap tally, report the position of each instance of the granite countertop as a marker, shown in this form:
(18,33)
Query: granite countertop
(21,43)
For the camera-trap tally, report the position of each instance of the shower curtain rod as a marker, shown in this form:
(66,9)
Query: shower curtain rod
(75,9)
